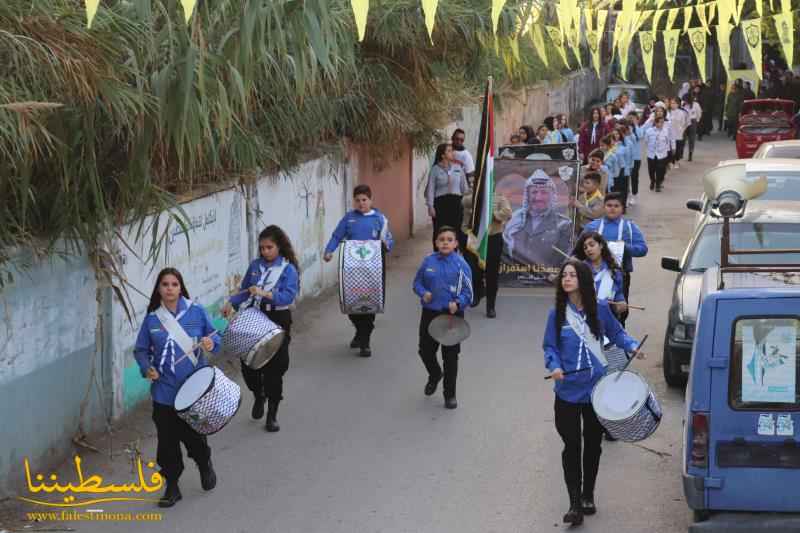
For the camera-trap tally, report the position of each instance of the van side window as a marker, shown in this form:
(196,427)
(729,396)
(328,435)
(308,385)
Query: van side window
(765,368)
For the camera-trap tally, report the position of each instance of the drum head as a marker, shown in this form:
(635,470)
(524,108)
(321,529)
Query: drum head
(448,330)
(619,400)
(194,387)
(265,349)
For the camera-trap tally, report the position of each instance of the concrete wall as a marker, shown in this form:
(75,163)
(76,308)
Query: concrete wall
(66,339)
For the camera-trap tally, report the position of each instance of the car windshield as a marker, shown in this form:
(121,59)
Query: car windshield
(639,96)
(706,252)
(766,151)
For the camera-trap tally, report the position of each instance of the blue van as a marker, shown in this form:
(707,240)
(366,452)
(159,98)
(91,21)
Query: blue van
(741,437)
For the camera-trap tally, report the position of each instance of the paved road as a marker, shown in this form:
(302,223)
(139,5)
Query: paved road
(362,450)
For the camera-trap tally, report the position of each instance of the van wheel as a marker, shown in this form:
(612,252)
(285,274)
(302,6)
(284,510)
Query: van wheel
(701,515)
(673,374)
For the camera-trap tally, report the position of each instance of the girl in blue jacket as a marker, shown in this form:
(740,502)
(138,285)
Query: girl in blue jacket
(162,360)
(271,284)
(593,250)
(573,341)
(443,283)
(362,224)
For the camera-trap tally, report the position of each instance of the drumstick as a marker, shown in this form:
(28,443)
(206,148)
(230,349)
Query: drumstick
(196,346)
(638,308)
(638,349)
(570,372)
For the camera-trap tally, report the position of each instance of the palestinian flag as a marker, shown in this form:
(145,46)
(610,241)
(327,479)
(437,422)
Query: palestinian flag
(483,186)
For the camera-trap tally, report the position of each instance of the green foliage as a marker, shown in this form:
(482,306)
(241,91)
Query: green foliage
(102,127)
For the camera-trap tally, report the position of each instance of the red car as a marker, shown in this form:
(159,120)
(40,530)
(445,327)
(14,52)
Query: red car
(761,121)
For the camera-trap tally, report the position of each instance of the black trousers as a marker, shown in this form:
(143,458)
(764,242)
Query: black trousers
(364,325)
(580,469)
(428,347)
(267,382)
(449,212)
(691,135)
(621,186)
(492,273)
(637,165)
(172,431)
(679,150)
(626,289)
(657,168)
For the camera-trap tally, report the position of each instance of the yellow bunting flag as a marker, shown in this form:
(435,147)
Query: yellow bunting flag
(558,42)
(497,8)
(671,49)
(752,37)
(672,14)
(697,37)
(786,6)
(711,7)
(784,24)
(659,3)
(429,8)
(538,43)
(602,16)
(593,38)
(656,19)
(737,13)
(701,14)
(687,17)
(514,44)
(643,17)
(760,7)
(647,43)
(360,10)
(724,43)
(188,8)
(91,11)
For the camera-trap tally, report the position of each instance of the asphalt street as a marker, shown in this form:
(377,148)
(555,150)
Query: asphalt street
(361,449)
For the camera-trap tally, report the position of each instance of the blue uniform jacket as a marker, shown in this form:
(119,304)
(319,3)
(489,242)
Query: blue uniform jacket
(568,135)
(561,351)
(628,154)
(616,276)
(612,163)
(637,142)
(283,293)
(150,344)
(448,278)
(356,226)
(635,245)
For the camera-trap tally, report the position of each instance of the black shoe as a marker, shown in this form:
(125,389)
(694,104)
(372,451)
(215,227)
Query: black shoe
(171,496)
(450,403)
(587,505)
(355,343)
(490,313)
(208,478)
(258,408)
(272,418)
(652,185)
(365,352)
(690,157)
(430,386)
(658,188)
(574,516)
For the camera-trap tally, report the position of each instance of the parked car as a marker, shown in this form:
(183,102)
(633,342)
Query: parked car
(781,149)
(761,226)
(639,95)
(740,450)
(761,121)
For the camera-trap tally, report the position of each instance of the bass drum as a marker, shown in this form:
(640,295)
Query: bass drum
(252,337)
(626,407)
(361,278)
(207,400)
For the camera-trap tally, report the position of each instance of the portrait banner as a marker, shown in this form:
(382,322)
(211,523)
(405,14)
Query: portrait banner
(671,49)
(542,221)
(555,152)
(752,37)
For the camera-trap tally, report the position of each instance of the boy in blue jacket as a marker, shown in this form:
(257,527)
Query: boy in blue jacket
(444,285)
(361,224)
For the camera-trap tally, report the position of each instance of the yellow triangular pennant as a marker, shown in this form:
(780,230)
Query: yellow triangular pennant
(697,38)
(701,14)
(724,44)
(647,43)
(752,37)
(672,14)
(737,13)
(687,17)
(784,24)
(711,8)
(360,11)
(538,43)
(429,8)
(760,7)
(497,8)
(725,8)
(602,16)
(656,18)
(660,3)
(514,44)
(671,49)
(188,8)
(91,11)
(643,17)
(786,6)
(558,42)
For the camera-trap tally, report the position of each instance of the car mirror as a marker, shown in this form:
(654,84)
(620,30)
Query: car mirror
(694,205)
(671,263)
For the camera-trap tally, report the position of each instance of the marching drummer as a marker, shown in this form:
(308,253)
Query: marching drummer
(593,250)
(573,354)
(167,361)
(271,284)
(443,283)
(363,223)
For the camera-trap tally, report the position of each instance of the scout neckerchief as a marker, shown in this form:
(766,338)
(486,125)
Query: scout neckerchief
(588,340)
(269,278)
(606,283)
(175,335)
(617,247)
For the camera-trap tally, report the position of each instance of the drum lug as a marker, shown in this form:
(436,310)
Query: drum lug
(713,482)
(717,362)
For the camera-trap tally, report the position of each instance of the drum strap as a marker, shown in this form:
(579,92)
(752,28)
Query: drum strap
(384,228)
(617,247)
(592,343)
(175,335)
(606,284)
(269,278)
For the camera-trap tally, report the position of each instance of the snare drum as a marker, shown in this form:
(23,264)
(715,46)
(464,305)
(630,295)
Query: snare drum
(616,357)
(361,278)
(252,337)
(207,400)
(627,407)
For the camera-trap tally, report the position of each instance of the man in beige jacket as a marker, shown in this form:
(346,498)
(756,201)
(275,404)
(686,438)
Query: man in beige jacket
(501,215)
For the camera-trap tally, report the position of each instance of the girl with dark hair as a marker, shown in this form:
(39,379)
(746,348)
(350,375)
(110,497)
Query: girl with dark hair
(444,286)
(593,250)
(447,184)
(164,362)
(526,134)
(591,133)
(573,354)
(271,284)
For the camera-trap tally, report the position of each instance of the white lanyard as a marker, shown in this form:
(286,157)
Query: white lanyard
(606,284)
(267,281)
(175,335)
(590,342)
